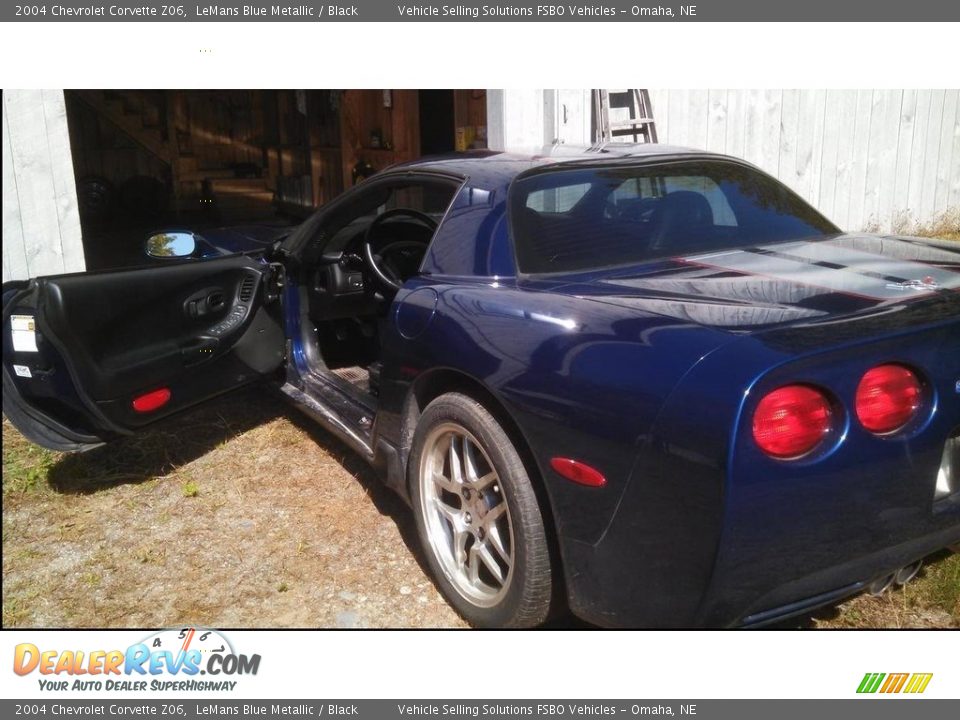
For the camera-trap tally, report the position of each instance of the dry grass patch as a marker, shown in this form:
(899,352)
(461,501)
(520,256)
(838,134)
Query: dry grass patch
(945,227)
(932,600)
(238,514)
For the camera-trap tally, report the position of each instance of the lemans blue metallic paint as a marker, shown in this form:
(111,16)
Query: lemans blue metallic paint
(650,373)
(654,385)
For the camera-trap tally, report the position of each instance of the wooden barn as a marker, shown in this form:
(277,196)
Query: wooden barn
(87,173)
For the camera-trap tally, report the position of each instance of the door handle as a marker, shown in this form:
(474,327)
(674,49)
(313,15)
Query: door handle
(203,303)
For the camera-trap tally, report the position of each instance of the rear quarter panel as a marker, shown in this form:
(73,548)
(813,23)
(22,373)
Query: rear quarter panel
(580,379)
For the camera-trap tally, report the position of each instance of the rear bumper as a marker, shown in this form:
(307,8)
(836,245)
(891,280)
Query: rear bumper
(678,553)
(727,604)
(807,594)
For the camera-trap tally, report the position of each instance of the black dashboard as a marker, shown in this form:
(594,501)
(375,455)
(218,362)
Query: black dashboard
(340,284)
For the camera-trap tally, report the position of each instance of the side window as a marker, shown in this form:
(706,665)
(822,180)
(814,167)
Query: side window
(557,200)
(428,196)
(431,199)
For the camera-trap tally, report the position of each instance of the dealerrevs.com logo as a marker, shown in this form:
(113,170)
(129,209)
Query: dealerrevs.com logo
(168,660)
(911,683)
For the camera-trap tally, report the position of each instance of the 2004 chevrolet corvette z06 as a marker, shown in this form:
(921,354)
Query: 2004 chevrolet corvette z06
(648,384)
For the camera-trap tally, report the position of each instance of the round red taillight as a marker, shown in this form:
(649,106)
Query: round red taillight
(791,421)
(888,397)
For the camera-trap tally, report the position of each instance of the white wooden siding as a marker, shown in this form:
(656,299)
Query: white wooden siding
(868,159)
(885,159)
(41,223)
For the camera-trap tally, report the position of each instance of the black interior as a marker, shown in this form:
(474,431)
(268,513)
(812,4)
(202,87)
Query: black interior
(357,258)
(341,282)
(195,328)
(582,219)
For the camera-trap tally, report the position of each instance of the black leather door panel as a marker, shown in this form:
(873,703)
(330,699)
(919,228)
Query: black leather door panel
(194,329)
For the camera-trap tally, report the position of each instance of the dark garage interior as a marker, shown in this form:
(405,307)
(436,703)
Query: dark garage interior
(151,159)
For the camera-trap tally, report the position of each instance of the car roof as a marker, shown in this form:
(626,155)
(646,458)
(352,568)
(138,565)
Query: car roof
(499,168)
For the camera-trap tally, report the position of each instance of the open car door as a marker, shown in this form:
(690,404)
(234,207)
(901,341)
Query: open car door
(92,356)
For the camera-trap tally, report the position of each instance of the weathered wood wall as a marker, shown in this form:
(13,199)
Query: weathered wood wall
(885,159)
(41,224)
(868,159)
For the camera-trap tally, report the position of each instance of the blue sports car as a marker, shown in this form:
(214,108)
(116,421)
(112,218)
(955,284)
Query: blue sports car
(648,384)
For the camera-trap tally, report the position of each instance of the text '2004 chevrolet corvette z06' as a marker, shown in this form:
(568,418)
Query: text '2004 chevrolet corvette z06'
(648,384)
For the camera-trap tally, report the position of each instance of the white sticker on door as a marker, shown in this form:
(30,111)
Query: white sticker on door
(22,371)
(23,333)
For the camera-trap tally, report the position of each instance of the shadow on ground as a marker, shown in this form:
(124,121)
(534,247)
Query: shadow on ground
(180,439)
(163,447)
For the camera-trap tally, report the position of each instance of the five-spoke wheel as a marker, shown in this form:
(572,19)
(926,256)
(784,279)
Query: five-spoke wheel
(467,518)
(478,516)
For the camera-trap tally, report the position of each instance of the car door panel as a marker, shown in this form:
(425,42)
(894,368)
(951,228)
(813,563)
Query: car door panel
(193,330)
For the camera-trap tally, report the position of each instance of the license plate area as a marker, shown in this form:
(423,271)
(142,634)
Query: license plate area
(948,475)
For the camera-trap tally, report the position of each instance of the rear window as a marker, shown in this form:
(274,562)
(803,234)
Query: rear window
(581,219)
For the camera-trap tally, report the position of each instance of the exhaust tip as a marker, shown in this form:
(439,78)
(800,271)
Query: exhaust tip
(907,573)
(879,586)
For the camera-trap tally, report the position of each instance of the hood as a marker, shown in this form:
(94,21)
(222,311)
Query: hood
(806,281)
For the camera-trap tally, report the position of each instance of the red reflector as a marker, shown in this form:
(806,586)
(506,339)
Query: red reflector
(152,400)
(578,472)
(791,421)
(888,396)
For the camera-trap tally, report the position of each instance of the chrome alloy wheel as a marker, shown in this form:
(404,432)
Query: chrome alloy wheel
(466,515)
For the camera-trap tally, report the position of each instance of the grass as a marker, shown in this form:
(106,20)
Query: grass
(944,227)
(932,600)
(240,513)
(25,466)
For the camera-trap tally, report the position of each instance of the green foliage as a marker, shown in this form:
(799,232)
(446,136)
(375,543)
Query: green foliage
(25,468)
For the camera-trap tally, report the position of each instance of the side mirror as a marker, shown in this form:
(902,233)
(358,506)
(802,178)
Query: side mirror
(171,245)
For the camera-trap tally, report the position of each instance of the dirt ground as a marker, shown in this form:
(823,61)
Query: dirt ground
(239,514)
(243,513)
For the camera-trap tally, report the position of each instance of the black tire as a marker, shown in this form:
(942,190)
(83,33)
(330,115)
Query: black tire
(526,596)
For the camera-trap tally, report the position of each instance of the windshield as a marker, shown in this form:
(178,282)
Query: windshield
(582,219)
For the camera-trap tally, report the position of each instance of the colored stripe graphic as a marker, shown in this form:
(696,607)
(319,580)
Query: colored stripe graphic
(894,683)
(918,682)
(870,682)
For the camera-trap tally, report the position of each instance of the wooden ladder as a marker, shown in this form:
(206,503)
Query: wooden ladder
(639,123)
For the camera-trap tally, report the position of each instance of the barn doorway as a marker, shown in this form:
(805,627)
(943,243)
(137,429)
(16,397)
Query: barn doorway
(437,123)
(146,160)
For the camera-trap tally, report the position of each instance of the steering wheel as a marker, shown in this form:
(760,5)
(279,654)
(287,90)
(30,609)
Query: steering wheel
(377,262)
